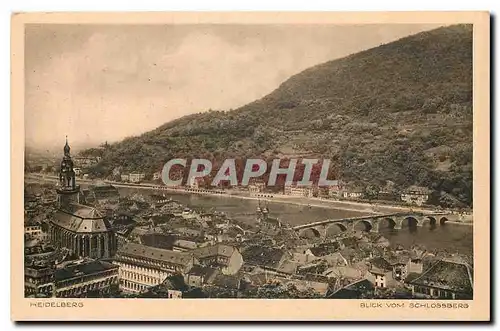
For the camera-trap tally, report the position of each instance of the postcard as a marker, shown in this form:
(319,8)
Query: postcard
(257,166)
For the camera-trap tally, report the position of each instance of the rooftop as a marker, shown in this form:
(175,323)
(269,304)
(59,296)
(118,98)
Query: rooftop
(214,250)
(448,275)
(85,268)
(263,256)
(147,252)
(80,218)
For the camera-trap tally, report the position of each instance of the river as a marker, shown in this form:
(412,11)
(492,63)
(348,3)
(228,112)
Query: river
(453,238)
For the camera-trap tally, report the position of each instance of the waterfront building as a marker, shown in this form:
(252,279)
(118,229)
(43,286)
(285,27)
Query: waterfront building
(256,187)
(298,191)
(136,177)
(353,193)
(142,267)
(124,178)
(335,191)
(195,182)
(415,195)
(80,228)
(86,279)
(157,175)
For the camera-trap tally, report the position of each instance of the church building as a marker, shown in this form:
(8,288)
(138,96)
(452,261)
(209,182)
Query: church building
(80,228)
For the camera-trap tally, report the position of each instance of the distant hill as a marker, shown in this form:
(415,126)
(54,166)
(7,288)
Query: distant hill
(400,112)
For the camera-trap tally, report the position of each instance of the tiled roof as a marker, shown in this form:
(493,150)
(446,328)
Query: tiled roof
(214,250)
(380,264)
(353,290)
(448,275)
(263,256)
(198,270)
(158,254)
(325,249)
(82,219)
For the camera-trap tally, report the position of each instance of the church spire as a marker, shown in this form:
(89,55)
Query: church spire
(67,149)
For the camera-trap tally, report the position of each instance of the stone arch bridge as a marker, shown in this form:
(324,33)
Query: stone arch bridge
(374,223)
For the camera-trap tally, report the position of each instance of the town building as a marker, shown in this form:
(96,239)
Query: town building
(200,275)
(157,175)
(445,279)
(80,228)
(142,267)
(86,279)
(381,273)
(124,177)
(39,280)
(224,257)
(101,194)
(32,231)
(415,195)
(266,258)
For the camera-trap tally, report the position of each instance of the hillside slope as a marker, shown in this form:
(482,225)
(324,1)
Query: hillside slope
(400,112)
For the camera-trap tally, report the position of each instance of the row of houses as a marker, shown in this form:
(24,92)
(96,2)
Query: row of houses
(414,195)
(133,177)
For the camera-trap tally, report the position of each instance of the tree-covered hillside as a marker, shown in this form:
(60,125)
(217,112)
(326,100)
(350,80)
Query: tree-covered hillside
(400,112)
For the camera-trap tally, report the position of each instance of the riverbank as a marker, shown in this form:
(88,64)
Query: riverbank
(368,208)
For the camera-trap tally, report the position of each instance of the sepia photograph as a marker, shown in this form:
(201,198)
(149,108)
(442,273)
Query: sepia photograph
(333,159)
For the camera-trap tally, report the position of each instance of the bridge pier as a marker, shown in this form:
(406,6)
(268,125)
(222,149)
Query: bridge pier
(375,227)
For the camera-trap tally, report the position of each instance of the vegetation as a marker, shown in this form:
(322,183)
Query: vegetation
(400,112)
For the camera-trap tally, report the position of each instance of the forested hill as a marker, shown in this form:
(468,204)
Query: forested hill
(400,112)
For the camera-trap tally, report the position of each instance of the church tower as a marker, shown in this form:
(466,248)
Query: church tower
(67,191)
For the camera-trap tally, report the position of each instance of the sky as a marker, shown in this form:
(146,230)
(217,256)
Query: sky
(97,83)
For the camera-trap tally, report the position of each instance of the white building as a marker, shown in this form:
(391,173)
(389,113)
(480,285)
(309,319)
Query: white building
(142,267)
(136,177)
(416,195)
(299,191)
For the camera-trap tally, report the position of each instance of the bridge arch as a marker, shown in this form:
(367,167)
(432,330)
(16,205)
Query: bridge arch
(386,222)
(304,233)
(409,222)
(336,225)
(367,225)
(428,220)
(443,220)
